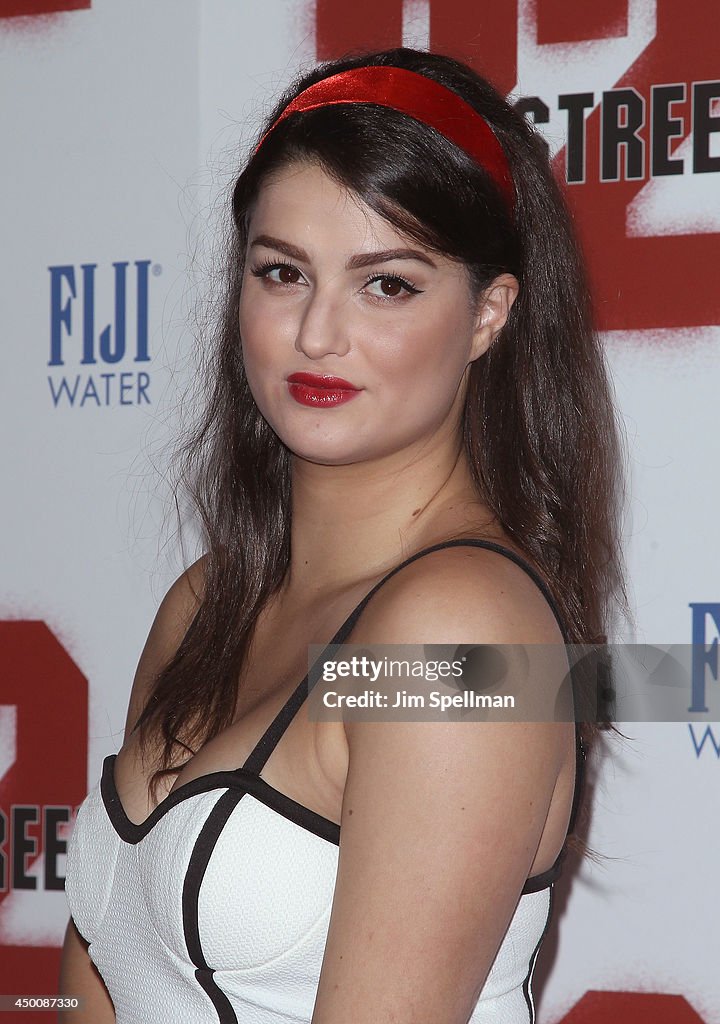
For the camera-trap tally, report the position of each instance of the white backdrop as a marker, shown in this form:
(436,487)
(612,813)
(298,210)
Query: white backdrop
(122,124)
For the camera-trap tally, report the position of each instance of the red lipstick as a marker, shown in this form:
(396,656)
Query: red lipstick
(320,391)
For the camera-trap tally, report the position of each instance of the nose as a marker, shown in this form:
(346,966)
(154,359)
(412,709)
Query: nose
(322,329)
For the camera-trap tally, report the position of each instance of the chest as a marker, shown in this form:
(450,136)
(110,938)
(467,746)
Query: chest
(307,760)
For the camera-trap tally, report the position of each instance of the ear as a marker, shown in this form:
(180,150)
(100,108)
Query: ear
(492,312)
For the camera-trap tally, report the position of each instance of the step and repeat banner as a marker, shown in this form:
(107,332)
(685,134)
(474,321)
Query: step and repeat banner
(122,122)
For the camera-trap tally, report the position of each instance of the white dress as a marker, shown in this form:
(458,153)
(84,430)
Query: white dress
(216,908)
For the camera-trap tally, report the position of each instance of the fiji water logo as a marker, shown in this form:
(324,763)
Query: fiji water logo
(705,659)
(99,334)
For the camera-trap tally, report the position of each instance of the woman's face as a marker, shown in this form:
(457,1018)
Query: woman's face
(330,288)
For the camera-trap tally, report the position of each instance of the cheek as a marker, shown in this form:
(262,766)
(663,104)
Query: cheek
(258,352)
(261,334)
(431,346)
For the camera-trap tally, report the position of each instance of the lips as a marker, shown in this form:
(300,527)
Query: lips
(320,391)
(325,380)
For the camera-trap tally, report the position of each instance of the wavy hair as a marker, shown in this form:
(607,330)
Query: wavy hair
(540,427)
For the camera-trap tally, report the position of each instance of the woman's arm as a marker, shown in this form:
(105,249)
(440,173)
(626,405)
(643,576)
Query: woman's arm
(441,820)
(79,977)
(171,623)
(78,974)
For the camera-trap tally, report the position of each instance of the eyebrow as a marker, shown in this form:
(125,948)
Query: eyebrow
(362,259)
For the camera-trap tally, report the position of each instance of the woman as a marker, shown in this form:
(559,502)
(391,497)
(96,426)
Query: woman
(410,439)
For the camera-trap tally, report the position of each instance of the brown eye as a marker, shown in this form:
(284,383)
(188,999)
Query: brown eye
(278,273)
(390,286)
(288,275)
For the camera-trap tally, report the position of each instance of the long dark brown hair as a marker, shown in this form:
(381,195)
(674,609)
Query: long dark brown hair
(539,427)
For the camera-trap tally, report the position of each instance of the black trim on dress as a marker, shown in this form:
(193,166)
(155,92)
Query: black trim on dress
(199,860)
(531,967)
(238,780)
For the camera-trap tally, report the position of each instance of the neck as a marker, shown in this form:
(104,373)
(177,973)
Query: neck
(353,522)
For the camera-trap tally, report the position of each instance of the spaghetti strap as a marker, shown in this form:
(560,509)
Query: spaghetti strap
(270,738)
(349,623)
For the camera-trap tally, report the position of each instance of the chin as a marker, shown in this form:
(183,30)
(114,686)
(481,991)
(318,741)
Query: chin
(319,444)
(326,455)
(318,441)
(342,449)
(339,452)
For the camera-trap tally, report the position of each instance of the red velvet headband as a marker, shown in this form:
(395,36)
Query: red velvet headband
(419,97)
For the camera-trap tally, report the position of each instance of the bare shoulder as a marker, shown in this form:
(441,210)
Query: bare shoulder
(454,810)
(171,623)
(459,594)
